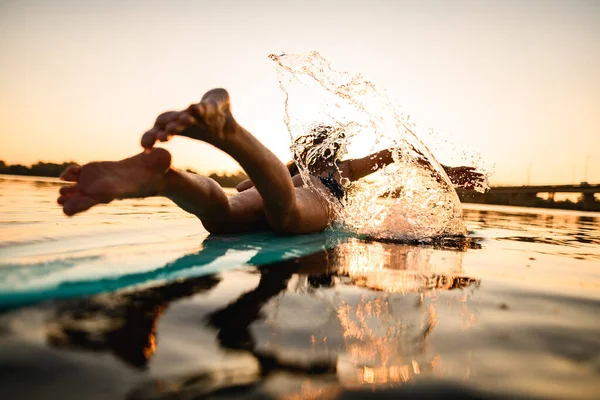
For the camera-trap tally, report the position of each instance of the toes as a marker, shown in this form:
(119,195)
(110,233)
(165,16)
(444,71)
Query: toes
(186,119)
(165,118)
(214,106)
(174,128)
(62,199)
(149,138)
(65,193)
(197,110)
(183,121)
(154,135)
(158,131)
(77,203)
(219,96)
(71,174)
(163,136)
(67,190)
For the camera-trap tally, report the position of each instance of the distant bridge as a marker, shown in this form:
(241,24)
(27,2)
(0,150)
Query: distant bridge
(527,195)
(584,188)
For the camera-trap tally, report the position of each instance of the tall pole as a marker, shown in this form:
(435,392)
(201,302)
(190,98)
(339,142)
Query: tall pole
(585,176)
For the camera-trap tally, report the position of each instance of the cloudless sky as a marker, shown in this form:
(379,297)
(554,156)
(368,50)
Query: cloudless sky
(515,84)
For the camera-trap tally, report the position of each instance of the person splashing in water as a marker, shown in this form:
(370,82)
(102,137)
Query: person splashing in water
(275,196)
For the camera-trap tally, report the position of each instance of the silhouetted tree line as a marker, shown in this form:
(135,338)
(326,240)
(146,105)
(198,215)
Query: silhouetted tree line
(54,170)
(38,169)
(566,204)
(226,180)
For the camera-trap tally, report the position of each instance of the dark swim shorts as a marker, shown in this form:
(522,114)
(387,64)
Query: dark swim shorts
(334,186)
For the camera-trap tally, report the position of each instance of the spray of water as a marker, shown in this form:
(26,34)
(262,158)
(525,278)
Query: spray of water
(412,198)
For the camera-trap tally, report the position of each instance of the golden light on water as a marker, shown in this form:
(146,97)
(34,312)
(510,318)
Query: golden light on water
(150,347)
(310,390)
(394,268)
(376,341)
(384,341)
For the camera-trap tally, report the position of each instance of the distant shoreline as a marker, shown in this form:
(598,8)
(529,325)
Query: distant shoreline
(53,170)
(558,205)
(584,204)
(40,169)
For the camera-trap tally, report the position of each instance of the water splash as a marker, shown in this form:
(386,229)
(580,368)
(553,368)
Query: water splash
(411,198)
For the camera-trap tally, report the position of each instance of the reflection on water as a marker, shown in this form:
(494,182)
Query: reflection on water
(512,309)
(396,268)
(561,229)
(383,341)
(124,324)
(383,334)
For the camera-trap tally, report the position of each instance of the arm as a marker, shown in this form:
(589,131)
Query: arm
(357,168)
(350,169)
(361,167)
(461,177)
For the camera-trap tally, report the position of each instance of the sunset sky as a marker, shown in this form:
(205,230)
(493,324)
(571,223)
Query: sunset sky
(511,85)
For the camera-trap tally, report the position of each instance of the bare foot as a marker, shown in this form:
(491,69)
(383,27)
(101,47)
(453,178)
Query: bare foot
(102,182)
(210,121)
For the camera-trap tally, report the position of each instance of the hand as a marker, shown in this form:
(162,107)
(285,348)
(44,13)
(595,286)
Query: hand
(465,177)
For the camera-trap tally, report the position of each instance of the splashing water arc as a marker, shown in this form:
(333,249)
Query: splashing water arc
(411,198)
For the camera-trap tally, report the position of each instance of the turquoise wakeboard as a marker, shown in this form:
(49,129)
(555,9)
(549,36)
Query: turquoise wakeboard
(218,254)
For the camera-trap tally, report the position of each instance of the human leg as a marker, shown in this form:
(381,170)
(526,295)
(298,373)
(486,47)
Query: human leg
(204,198)
(101,182)
(287,209)
(149,174)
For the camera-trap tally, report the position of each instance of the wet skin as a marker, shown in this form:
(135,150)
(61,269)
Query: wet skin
(275,202)
(272,199)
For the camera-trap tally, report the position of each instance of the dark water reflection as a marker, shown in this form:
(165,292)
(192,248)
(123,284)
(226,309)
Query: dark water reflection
(553,228)
(377,343)
(512,314)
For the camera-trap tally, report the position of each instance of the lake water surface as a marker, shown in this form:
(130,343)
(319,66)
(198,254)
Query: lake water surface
(511,313)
